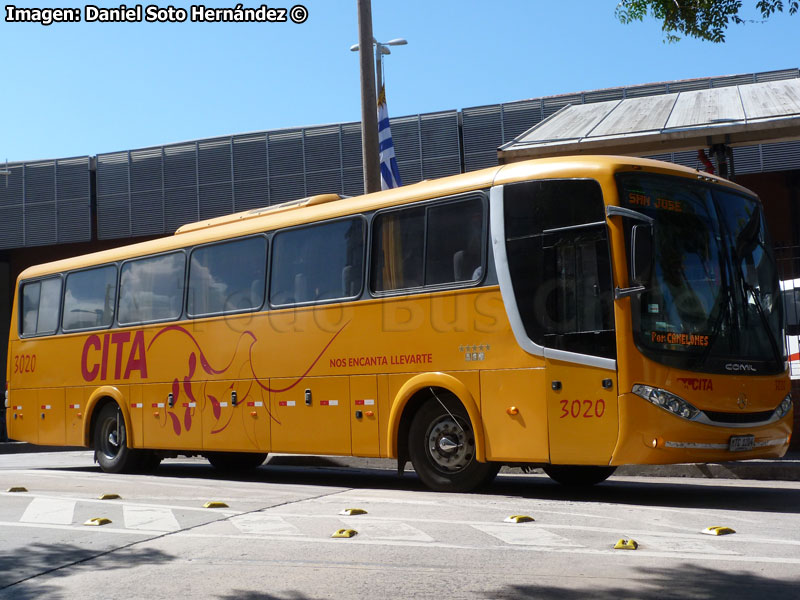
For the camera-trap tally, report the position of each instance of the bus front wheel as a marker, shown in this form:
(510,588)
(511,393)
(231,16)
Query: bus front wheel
(111,442)
(578,475)
(441,445)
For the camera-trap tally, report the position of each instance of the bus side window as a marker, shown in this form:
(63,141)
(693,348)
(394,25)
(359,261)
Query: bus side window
(40,304)
(398,249)
(30,306)
(455,242)
(151,288)
(317,263)
(89,298)
(227,277)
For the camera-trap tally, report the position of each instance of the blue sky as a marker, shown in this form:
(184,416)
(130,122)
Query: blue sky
(89,88)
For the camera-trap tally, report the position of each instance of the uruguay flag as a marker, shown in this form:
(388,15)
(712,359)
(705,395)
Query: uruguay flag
(390,175)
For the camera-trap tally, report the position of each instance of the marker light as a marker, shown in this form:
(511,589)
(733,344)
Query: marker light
(666,400)
(784,407)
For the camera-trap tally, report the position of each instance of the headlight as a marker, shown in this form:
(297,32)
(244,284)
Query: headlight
(784,407)
(667,400)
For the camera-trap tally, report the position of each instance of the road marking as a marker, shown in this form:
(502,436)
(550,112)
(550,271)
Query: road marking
(359,540)
(682,546)
(259,523)
(77,528)
(178,507)
(525,535)
(387,530)
(49,510)
(152,519)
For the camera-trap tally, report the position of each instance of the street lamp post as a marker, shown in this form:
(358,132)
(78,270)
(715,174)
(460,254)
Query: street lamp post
(369,121)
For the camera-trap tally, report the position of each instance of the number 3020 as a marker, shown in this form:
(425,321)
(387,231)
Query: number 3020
(583,409)
(24,363)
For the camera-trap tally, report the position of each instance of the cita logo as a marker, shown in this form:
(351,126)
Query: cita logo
(740,367)
(114,351)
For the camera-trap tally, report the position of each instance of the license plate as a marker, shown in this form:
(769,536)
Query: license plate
(741,443)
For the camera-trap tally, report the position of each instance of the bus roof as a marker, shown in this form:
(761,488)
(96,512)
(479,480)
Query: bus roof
(327,206)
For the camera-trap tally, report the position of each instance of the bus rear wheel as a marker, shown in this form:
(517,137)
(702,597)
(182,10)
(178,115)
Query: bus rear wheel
(232,462)
(441,445)
(111,442)
(578,475)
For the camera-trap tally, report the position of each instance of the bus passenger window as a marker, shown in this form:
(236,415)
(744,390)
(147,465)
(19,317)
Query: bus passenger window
(317,263)
(89,298)
(227,277)
(455,242)
(40,304)
(151,289)
(398,248)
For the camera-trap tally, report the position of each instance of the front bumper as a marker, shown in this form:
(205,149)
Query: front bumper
(651,435)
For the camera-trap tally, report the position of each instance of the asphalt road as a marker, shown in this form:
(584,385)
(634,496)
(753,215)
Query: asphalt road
(273,541)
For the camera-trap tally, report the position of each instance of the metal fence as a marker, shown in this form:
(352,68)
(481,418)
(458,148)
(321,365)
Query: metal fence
(46,202)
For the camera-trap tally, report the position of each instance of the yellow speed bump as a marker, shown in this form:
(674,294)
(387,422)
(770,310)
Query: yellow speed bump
(18,488)
(97,521)
(623,544)
(215,504)
(109,497)
(518,519)
(351,512)
(717,530)
(344,533)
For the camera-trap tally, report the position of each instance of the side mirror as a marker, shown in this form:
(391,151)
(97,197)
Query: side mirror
(641,254)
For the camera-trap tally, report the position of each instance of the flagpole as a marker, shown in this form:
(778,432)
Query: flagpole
(369,117)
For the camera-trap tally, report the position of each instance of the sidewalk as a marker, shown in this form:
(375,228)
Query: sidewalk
(779,469)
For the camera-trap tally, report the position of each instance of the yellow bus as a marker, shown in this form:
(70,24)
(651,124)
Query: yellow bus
(573,313)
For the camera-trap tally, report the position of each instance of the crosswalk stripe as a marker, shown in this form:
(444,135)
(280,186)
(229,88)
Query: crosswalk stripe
(263,524)
(49,510)
(525,535)
(153,519)
(387,530)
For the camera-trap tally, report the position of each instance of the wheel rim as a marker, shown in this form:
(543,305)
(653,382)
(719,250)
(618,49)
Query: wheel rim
(450,444)
(110,441)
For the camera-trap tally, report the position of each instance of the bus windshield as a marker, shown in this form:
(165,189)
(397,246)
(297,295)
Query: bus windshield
(712,303)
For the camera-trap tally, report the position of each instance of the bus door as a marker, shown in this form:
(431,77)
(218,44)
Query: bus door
(580,346)
(554,268)
(311,416)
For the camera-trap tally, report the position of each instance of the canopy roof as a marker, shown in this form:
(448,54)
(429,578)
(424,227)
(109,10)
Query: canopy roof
(734,115)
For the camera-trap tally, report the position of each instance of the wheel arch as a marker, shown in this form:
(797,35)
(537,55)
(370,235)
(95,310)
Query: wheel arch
(413,393)
(99,398)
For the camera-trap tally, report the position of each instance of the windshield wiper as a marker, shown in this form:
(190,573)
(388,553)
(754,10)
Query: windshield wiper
(765,322)
(724,312)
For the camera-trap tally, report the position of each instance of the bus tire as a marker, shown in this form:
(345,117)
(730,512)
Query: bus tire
(441,444)
(232,462)
(111,442)
(578,475)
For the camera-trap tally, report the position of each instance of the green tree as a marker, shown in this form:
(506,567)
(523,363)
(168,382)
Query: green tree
(702,19)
